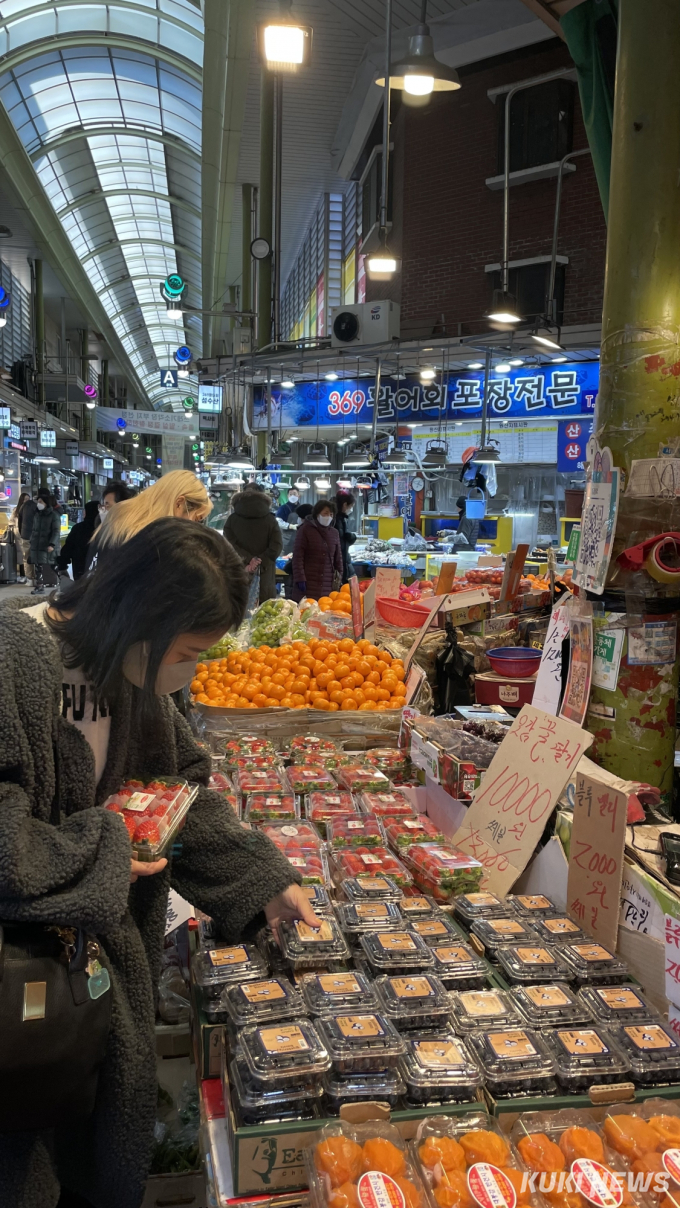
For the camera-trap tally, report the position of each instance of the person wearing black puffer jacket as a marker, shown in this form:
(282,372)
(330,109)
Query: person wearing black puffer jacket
(44,544)
(253,530)
(344,502)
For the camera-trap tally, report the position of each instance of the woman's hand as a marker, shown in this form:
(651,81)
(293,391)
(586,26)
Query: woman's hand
(288,906)
(144,868)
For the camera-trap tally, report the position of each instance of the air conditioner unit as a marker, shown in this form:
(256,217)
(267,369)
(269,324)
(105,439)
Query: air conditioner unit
(365,323)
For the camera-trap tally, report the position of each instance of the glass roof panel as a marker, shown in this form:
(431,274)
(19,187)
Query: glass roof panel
(127,239)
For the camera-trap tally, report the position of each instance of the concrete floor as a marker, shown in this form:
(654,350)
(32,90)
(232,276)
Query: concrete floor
(10,591)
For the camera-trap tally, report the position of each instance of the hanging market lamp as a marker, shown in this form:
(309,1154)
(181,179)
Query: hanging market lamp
(547,338)
(302,482)
(286,461)
(364,482)
(317,457)
(397,461)
(240,461)
(488,456)
(344,482)
(419,73)
(285,45)
(382,264)
(323,483)
(436,456)
(503,308)
(357,458)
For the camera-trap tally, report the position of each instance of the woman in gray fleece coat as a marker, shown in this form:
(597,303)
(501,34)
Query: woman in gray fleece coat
(79,873)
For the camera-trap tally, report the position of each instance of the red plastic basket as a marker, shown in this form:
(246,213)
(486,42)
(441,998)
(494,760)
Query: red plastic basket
(406,616)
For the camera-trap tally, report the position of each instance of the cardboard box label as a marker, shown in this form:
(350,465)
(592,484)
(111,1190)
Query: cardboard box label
(412,987)
(650,1036)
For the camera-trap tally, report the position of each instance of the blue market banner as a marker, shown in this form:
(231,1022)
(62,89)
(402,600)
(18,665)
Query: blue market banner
(550,392)
(572,438)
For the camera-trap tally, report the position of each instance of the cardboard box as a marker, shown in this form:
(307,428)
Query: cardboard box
(493,689)
(507,1110)
(185,1190)
(505,621)
(457,612)
(460,777)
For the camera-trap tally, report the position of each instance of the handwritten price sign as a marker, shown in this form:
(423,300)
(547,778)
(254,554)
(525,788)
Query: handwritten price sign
(672,946)
(596,858)
(518,793)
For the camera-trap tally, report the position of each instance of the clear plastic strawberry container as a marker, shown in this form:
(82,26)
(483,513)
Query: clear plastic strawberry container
(221,784)
(305,779)
(362,779)
(153,813)
(309,743)
(270,807)
(481,905)
(402,833)
(369,862)
(354,831)
(300,832)
(247,744)
(321,807)
(261,780)
(443,870)
(386,803)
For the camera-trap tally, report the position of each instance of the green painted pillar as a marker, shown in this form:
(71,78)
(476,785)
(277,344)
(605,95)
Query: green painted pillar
(265,203)
(639,397)
(40,335)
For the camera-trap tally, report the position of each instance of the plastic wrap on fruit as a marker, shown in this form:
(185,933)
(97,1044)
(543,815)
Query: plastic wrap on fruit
(345,1196)
(668,1130)
(482,1145)
(630,1136)
(454,1192)
(578,1142)
(519,1182)
(340,1158)
(444,1152)
(540,1153)
(651,1164)
(380,1154)
(409,1191)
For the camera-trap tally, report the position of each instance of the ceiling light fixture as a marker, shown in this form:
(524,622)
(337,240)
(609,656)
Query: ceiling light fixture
(419,73)
(317,458)
(285,45)
(323,483)
(503,368)
(383,264)
(357,458)
(331,377)
(427,375)
(287,384)
(240,461)
(302,482)
(476,365)
(547,338)
(488,456)
(503,308)
(516,361)
(344,482)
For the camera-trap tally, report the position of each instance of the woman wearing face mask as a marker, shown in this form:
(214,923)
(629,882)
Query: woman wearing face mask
(344,503)
(253,531)
(76,546)
(317,556)
(180,494)
(44,543)
(82,710)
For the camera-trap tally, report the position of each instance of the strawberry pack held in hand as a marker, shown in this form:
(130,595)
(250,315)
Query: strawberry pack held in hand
(152,813)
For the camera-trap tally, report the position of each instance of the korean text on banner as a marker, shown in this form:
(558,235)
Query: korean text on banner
(548,688)
(672,958)
(518,792)
(596,858)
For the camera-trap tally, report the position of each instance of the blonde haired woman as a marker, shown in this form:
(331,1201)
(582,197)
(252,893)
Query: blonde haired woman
(180,494)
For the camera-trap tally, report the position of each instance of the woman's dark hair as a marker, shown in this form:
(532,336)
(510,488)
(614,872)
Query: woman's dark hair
(342,498)
(44,494)
(460,502)
(320,506)
(172,577)
(304,510)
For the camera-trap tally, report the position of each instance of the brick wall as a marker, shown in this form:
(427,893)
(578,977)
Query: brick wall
(448,223)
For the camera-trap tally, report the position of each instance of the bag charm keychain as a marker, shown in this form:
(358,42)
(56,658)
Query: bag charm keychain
(98,980)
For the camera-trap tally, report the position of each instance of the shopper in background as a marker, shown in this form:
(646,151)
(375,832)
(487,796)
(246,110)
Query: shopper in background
(22,548)
(180,494)
(44,543)
(317,556)
(467,533)
(114,492)
(288,520)
(253,530)
(344,503)
(28,511)
(75,549)
(124,636)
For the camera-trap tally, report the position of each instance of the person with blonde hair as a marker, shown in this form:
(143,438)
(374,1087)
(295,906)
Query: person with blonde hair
(180,494)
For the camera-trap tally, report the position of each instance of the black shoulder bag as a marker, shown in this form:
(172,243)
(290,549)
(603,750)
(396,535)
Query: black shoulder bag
(55,1013)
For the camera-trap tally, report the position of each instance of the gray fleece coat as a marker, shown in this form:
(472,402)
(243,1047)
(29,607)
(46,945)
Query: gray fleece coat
(79,872)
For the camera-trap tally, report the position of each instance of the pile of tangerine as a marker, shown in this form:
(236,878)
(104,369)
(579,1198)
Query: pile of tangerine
(337,601)
(316,674)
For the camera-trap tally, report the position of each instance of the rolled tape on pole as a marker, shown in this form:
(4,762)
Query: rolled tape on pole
(657,567)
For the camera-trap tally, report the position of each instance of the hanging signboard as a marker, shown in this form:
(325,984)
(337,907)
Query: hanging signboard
(28,429)
(548,687)
(598,519)
(48,438)
(577,692)
(210,399)
(113,419)
(547,391)
(572,438)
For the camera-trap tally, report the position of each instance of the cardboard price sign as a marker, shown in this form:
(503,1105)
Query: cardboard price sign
(549,679)
(369,611)
(514,565)
(518,792)
(672,958)
(387,582)
(596,858)
(447,574)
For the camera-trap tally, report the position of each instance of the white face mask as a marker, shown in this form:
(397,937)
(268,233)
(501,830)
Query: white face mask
(40,506)
(171,676)
(325,520)
(293,499)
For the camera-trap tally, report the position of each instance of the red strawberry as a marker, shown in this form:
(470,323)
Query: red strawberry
(131,823)
(114,807)
(148,831)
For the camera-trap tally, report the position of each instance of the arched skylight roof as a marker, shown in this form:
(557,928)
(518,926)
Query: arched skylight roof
(113,127)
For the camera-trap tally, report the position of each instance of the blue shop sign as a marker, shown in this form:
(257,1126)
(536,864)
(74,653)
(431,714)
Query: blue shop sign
(572,438)
(550,391)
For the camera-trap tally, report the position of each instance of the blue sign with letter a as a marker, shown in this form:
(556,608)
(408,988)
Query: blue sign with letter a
(169,379)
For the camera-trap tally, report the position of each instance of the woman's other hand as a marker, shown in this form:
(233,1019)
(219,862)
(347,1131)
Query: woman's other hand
(288,906)
(144,868)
